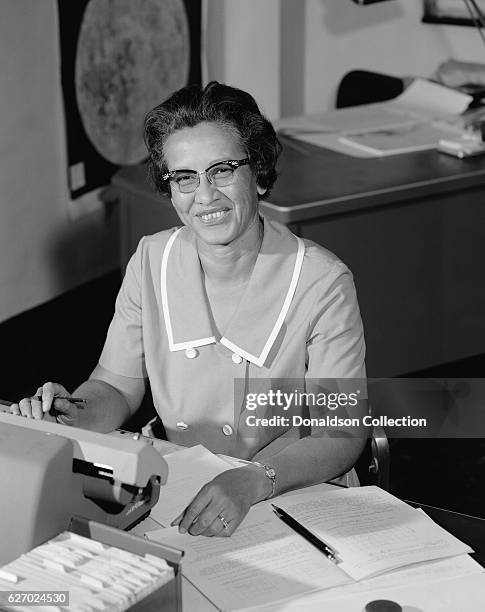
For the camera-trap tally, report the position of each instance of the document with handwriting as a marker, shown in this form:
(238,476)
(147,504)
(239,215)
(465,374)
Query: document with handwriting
(265,561)
(371,530)
(262,562)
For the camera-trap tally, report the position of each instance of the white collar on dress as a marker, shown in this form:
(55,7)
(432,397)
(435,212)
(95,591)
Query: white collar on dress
(253,329)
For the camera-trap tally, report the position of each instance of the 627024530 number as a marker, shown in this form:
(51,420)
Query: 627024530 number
(34,598)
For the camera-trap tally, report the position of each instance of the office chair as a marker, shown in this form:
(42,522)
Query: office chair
(416,397)
(373,466)
(364,87)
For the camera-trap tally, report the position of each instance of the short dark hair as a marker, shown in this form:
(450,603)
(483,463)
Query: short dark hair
(227,106)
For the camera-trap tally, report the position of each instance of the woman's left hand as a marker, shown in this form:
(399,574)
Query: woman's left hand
(221,504)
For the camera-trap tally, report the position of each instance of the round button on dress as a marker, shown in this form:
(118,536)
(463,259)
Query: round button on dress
(236,358)
(227,429)
(191,353)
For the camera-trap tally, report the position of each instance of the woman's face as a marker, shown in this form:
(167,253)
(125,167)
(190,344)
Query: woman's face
(217,215)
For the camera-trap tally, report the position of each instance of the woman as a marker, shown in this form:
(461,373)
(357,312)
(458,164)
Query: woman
(215,311)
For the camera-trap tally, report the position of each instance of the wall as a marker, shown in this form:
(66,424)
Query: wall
(386,37)
(290,54)
(243,48)
(43,252)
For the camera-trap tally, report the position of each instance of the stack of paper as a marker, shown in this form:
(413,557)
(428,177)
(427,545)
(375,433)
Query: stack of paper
(265,561)
(417,119)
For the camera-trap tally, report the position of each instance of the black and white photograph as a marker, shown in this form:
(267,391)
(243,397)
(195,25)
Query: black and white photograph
(242,306)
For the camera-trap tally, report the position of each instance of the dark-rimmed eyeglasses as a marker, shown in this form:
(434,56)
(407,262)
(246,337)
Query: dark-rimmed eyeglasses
(220,174)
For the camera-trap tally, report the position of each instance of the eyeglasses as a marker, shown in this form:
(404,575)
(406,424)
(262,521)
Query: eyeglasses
(220,174)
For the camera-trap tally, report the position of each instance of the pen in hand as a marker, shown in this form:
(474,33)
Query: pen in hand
(72,400)
(327,550)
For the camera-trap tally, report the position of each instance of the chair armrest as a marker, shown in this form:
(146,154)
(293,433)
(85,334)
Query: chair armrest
(380,463)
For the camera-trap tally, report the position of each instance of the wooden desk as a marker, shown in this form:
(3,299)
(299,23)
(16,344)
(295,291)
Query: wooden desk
(410,227)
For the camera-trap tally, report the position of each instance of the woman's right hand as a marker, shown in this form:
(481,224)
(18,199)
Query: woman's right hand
(46,405)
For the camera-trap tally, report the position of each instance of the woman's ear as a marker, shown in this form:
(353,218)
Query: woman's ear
(261,190)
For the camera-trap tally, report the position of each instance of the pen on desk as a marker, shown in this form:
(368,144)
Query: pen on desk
(72,400)
(327,550)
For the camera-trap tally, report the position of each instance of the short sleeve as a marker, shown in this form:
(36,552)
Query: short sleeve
(123,352)
(335,343)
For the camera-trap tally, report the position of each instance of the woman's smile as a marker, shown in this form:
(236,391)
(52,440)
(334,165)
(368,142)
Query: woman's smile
(213,217)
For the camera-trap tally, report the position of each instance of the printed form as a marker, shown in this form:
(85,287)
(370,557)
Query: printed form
(262,562)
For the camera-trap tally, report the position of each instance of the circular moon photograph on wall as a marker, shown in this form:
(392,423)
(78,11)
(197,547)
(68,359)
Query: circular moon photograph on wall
(131,55)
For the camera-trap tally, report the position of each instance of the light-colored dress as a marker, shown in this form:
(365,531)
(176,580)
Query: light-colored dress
(297,322)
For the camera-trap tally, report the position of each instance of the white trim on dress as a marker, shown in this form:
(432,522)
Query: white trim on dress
(259,361)
(175,346)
